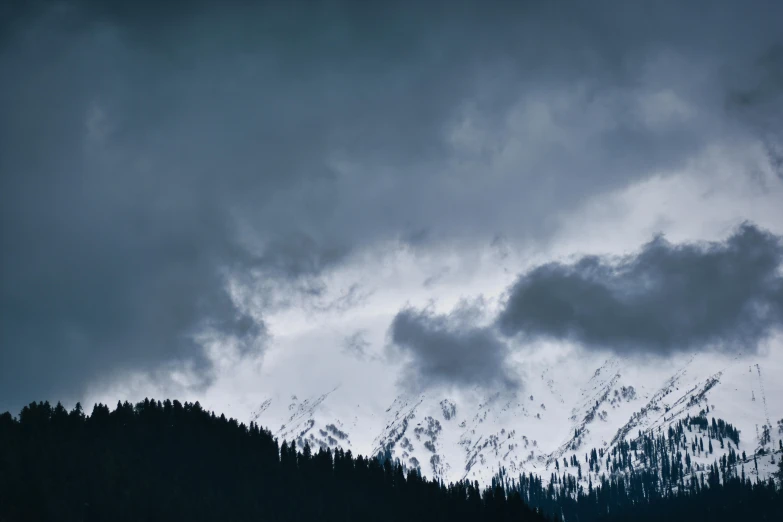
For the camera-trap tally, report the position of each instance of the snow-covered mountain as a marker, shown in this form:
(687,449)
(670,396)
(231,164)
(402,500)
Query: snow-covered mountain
(562,412)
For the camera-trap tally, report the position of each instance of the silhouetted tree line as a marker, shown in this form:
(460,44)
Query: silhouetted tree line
(652,477)
(172,461)
(640,496)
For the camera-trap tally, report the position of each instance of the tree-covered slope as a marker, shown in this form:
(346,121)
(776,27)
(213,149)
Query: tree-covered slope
(172,461)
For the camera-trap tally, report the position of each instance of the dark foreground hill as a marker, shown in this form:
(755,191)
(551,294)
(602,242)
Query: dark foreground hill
(172,461)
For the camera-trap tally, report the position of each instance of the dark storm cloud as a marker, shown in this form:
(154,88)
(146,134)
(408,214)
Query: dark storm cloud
(757,100)
(449,349)
(151,150)
(666,298)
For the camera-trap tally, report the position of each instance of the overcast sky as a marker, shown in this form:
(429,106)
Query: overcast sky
(192,192)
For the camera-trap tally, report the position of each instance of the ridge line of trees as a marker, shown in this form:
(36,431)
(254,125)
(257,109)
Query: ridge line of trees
(172,461)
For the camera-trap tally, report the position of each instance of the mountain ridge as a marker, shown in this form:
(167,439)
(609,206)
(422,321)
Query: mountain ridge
(472,434)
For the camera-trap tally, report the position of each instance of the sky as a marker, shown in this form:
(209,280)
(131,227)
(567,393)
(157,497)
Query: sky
(195,196)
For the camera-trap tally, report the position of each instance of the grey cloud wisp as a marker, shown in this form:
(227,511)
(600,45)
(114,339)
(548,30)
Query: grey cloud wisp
(665,298)
(151,151)
(449,350)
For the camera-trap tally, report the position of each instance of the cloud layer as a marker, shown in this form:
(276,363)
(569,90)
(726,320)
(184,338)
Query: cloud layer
(665,298)
(153,152)
(450,349)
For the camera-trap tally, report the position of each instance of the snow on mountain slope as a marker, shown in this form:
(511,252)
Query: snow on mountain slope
(563,411)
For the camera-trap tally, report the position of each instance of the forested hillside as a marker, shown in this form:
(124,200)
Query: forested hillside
(171,461)
(656,475)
